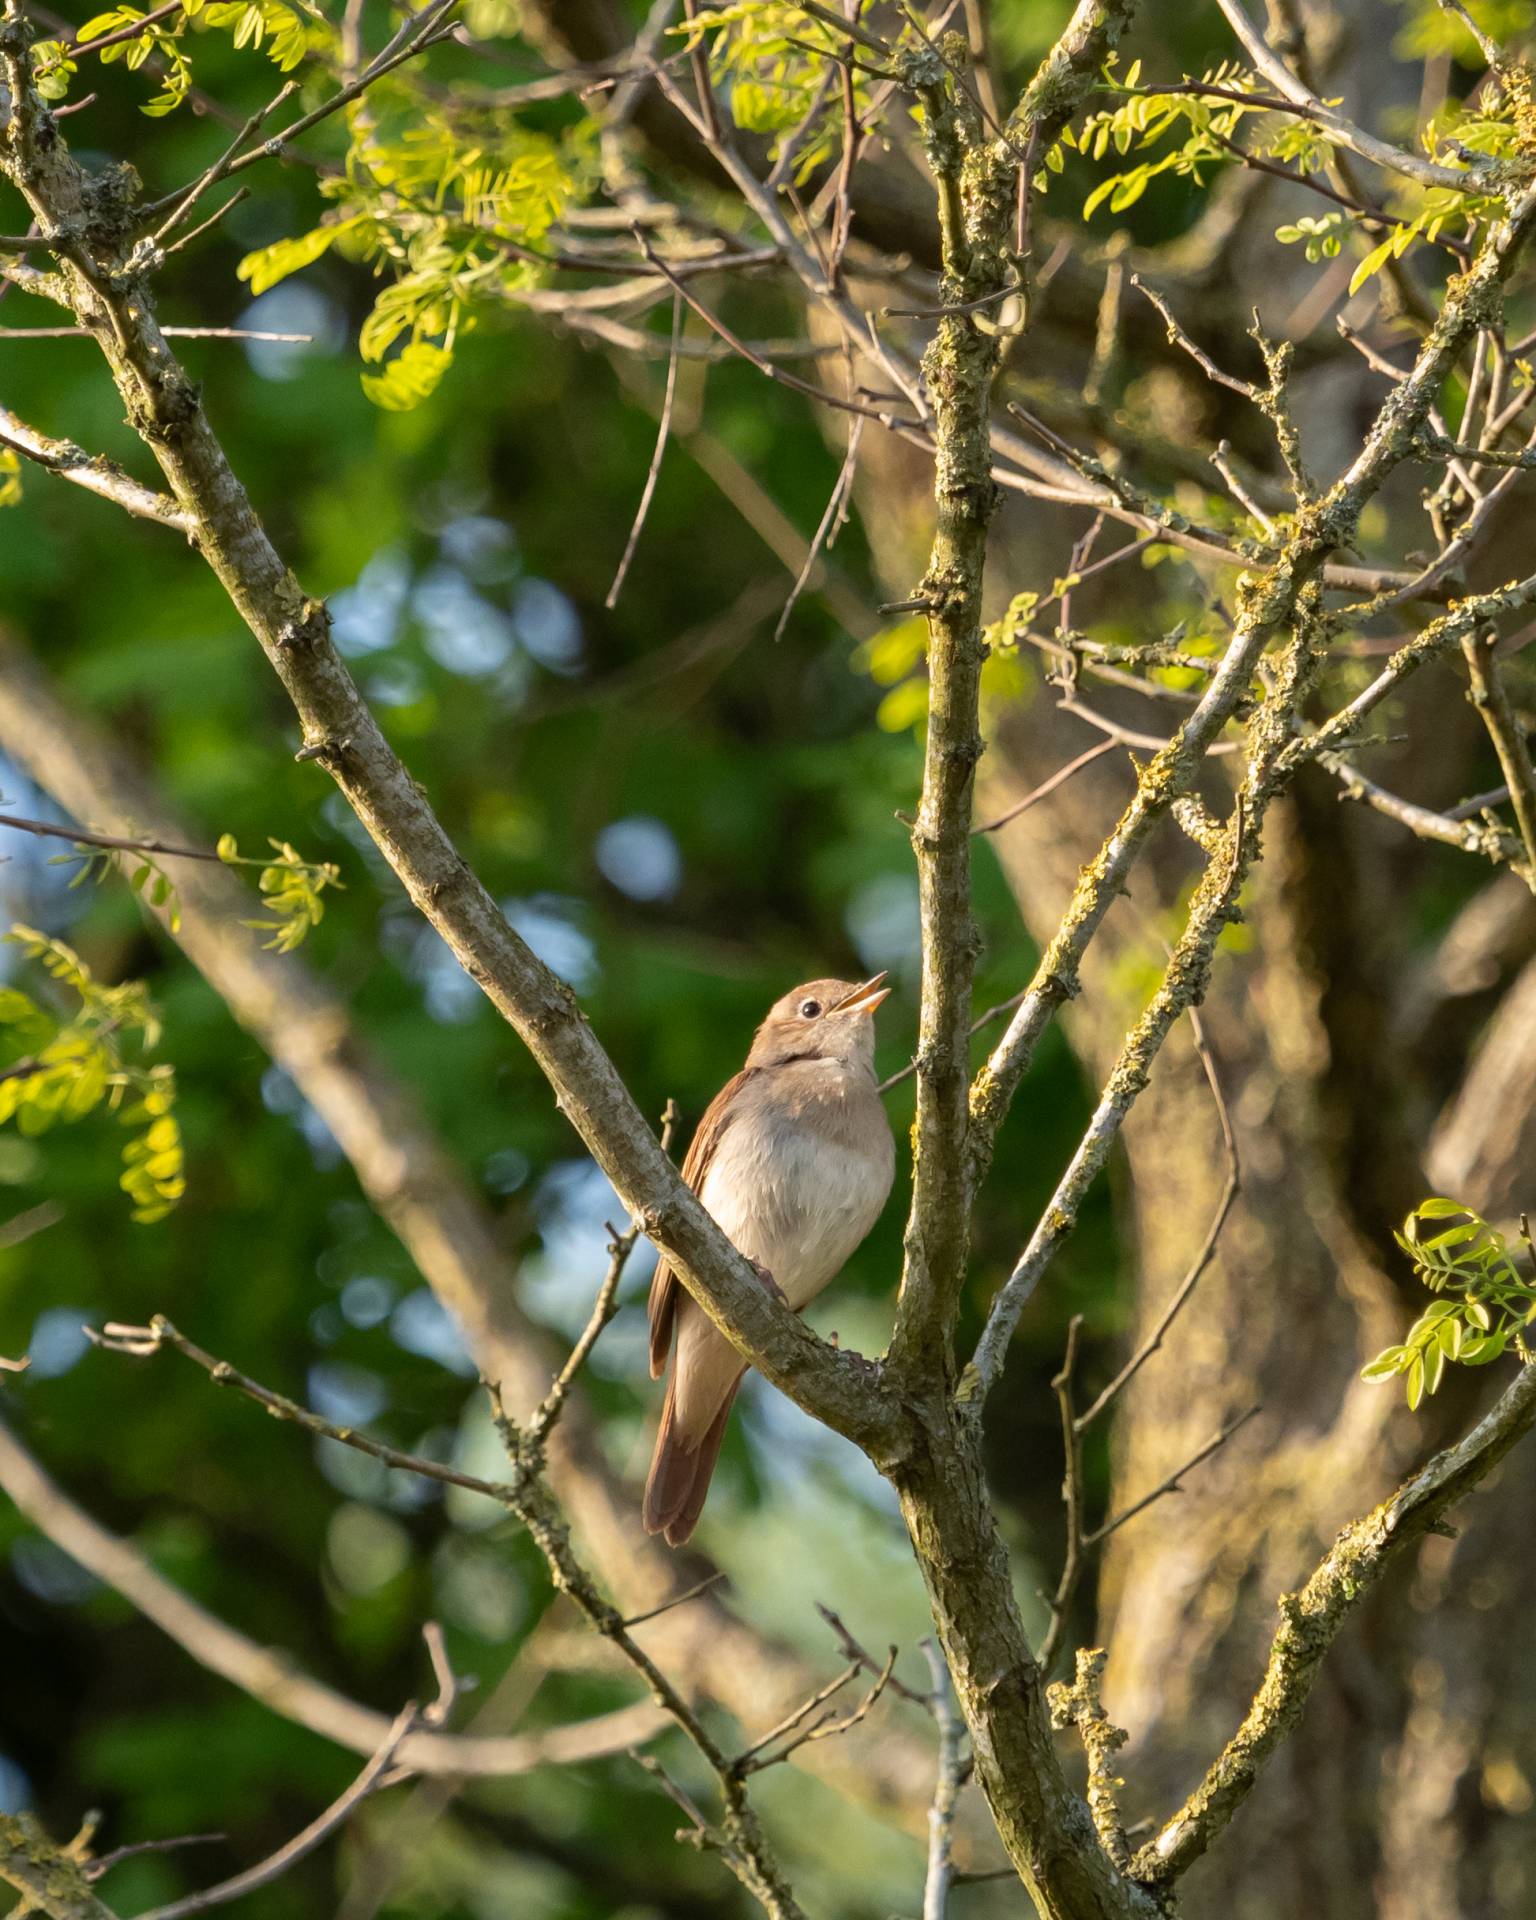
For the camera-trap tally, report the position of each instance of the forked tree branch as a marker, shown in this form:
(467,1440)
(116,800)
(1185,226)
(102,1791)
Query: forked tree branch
(421,1194)
(49,1879)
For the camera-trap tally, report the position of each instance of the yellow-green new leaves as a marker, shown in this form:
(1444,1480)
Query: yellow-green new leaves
(161,37)
(281,28)
(408,379)
(896,658)
(773,63)
(1323,237)
(60,1068)
(10,478)
(453,207)
(268,265)
(284,29)
(291,887)
(52,68)
(148,877)
(1486,1302)
(1143,119)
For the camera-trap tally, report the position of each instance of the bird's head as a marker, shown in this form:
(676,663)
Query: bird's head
(822,1020)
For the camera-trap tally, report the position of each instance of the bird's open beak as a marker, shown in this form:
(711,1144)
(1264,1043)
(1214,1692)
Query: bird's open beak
(866,998)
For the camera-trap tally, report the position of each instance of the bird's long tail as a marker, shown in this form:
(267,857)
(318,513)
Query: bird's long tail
(682,1467)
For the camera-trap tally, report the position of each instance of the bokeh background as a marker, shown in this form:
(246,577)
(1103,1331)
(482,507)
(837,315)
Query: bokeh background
(684,816)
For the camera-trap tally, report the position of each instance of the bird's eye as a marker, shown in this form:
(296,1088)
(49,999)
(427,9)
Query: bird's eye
(810,1008)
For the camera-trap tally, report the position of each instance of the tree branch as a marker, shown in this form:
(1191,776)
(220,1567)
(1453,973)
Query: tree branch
(49,1879)
(1267,607)
(1491,698)
(1311,1620)
(421,1194)
(270,1676)
(94,472)
(341,733)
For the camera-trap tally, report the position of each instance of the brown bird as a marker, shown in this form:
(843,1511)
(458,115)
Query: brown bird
(793,1159)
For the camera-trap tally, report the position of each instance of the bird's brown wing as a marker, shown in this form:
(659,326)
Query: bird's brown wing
(701,1151)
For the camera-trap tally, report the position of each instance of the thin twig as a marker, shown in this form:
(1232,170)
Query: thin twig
(841,491)
(142,1342)
(946,1787)
(171,333)
(212,175)
(677,1600)
(1071,1497)
(791,1720)
(981,1021)
(319,1830)
(1171,1484)
(82,837)
(653,473)
(105,1862)
(867,1661)
(1198,354)
(1491,698)
(1203,1258)
(1046,787)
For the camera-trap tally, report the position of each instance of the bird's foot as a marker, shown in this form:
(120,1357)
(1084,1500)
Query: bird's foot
(870,1369)
(770,1283)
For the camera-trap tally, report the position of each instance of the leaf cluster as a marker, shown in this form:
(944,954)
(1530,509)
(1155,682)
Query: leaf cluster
(284,29)
(97,864)
(772,62)
(1208,126)
(1485,1302)
(60,1068)
(453,206)
(291,890)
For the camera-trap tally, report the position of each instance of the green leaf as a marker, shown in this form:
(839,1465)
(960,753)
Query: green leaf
(1100,194)
(409,378)
(268,265)
(1373,262)
(1387,1363)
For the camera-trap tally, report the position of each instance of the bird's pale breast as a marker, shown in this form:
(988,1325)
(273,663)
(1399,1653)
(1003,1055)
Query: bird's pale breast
(798,1181)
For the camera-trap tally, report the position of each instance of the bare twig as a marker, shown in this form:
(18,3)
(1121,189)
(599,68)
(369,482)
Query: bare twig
(104,1862)
(270,1676)
(826,530)
(1080,1705)
(1478,835)
(215,173)
(94,473)
(1180,338)
(1310,1621)
(946,1788)
(1046,787)
(677,1600)
(1203,1257)
(1072,1499)
(146,1341)
(319,1830)
(1172,1483)
(653,474)
(1491,698)
(117,843)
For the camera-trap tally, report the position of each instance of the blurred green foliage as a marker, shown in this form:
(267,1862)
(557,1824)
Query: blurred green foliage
(684,818)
